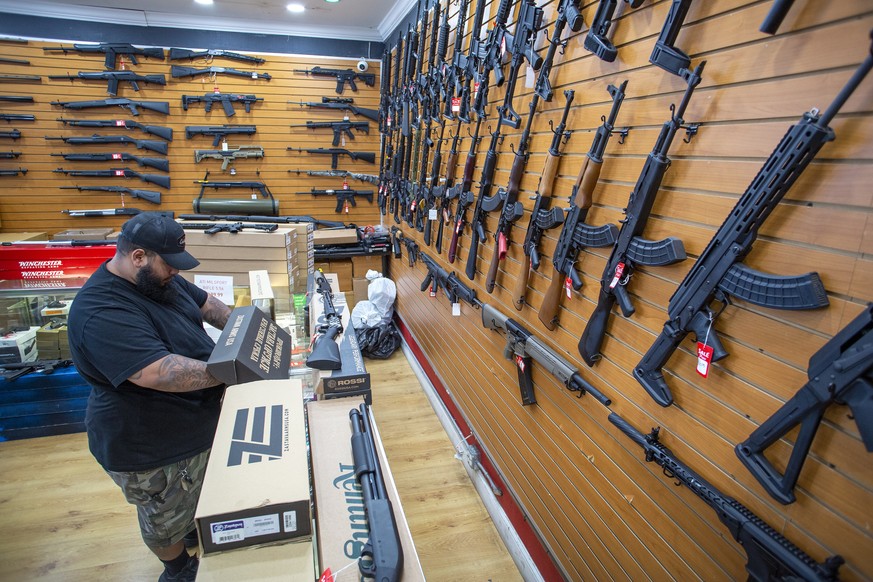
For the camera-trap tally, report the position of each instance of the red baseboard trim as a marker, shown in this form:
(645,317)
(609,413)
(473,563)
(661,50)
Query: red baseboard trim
(540,556)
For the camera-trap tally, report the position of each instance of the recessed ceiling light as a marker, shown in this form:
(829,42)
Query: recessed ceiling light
(295,7)
(204,2)
(332,1)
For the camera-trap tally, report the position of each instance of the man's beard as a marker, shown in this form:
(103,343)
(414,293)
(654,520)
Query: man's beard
(153,287)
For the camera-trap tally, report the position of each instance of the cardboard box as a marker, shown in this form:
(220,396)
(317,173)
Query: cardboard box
(362,264)
(280,267)
(352,377)
(18,346)
(343,270)
(251,347)
(256,487)
(360,287)
(281,237)
(335,236)
(293,562)
(340,519)
(83,234)
(9,237)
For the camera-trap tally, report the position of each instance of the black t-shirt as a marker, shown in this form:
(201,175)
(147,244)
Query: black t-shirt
(116,331)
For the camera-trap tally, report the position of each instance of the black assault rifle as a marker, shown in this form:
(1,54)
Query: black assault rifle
(719,272)
(114,77)
(112,50)
(576,234)
(219,132)
(214,228)
(343,196)
(841,372)
(382,555)
(225,99)
(339,128)
(439,278)
(325,354)
(342,77)
(770,555)
(631,249)
(147,195)
(522,347)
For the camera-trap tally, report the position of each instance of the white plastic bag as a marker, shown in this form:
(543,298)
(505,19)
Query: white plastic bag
(381,293)
(365,315)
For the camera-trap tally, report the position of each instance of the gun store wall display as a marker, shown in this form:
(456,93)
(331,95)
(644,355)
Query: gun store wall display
(251,347)
(256,488)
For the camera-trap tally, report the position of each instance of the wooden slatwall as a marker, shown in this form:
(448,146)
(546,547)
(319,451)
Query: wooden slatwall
(34,202)
(601,510)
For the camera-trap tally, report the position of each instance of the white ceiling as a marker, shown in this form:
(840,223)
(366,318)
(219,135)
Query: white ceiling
(370,20)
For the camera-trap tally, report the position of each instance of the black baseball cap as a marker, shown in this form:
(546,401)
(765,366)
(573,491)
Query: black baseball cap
(161,234)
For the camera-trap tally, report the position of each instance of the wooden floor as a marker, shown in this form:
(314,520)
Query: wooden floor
(62,518)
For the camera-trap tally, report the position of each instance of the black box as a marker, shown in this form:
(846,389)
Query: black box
(251,347)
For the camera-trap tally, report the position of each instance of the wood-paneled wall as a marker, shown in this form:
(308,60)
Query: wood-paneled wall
(34,203)
(600,509)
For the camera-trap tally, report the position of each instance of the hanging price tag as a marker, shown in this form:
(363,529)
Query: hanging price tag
(704,358)
(432,291)
(119,172)
(346,206)
(619,269)
(456,104)
(120,123)
(432,214)
(224,145)
(475,89)
(568,287)
(254,75)
(519,361)
(388,121)
(326,576)
(345,183)
(456,309)
(215,89)
(117,156)
(458,226)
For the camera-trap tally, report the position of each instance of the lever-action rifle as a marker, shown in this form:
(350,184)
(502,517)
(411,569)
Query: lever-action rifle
(522,347)
(719,272)
(325,354)
(341,103)
(114,77)
(178,72)
(543,217)
(770,555)
(575,233)
(147,195)
(841,372)
(382,555)
(162,181)
(343,196)
(226,99)
(335,153)
(596,40)
(631,249)
(156,163)
(142,144)
(219,132)
(111,50)
(162,132)
(665,54)
(342,77)
(369,178)
(177,54)
(130,105)
(339,128)
(229,156)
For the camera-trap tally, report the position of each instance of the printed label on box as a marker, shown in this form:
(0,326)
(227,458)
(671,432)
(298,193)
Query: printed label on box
(238,530)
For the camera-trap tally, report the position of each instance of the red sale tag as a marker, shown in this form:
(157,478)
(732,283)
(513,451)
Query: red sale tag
(619,269)
(120,123)
(456,104)
(117,156)
(458,226)
(519,361)
(475,89)
(432,292)
(326,576)
(119,172)
(568,287)
(704,358)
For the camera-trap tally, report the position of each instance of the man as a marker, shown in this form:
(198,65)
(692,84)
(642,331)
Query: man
(136,335)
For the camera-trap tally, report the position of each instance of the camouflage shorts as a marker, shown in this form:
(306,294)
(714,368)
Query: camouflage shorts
(165,498)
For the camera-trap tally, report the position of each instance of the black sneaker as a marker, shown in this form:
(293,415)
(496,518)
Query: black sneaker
(191,540)
(187,574)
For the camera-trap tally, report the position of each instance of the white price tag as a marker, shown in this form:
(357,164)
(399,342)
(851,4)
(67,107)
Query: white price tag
(456,309)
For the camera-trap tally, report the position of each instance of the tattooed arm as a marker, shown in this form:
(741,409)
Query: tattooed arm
(174,373)
(215,313)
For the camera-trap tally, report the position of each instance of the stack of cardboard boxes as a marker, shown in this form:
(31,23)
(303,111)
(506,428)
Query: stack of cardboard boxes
(286,254)
(51,341)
